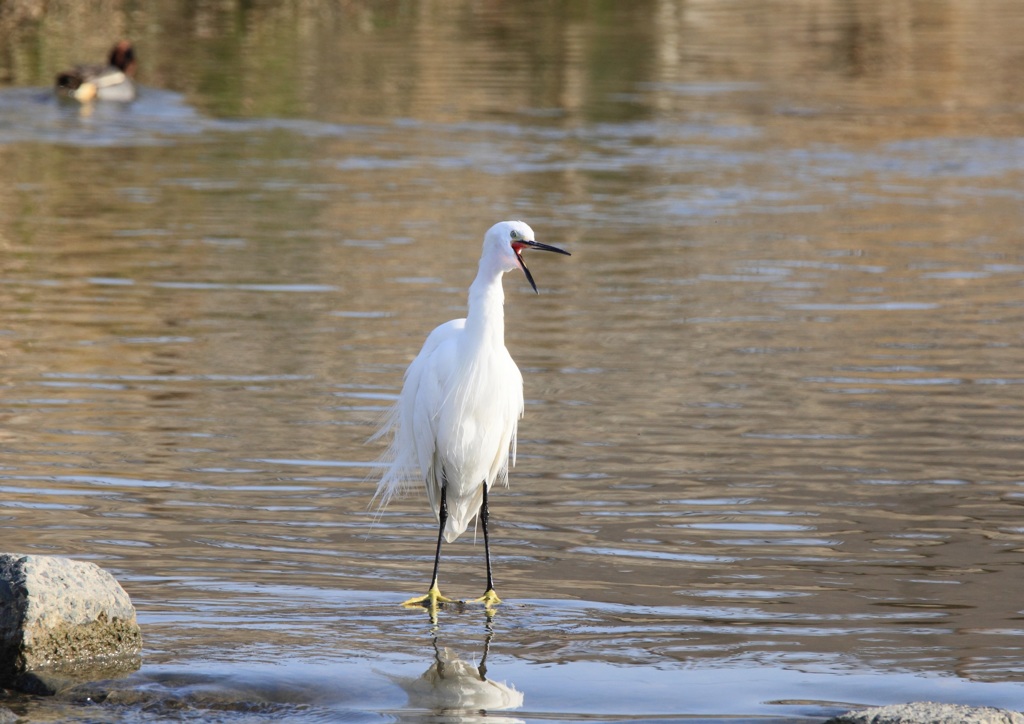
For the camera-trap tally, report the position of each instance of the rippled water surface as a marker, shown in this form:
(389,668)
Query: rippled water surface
(771,464)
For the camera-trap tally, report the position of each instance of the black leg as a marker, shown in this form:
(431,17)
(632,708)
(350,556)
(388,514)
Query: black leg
(490,597)
(443,517)
(482,668)
(487,543)
(434,596)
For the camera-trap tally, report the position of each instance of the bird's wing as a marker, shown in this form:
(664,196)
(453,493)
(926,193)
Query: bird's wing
(412,421)
(515,410)
(476,430)
(432,369)
(504,408)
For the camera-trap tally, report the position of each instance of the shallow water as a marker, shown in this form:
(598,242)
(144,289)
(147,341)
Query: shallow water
(771,461)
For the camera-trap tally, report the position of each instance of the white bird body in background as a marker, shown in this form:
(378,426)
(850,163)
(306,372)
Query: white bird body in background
(455,421)
(112,82)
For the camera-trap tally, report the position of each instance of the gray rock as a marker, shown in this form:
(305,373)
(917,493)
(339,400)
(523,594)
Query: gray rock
(926,712)
(59,619)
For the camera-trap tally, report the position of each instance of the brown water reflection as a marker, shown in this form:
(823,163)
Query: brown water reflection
(773,414)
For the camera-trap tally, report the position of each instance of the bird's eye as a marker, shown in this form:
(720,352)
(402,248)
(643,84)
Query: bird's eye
(514,234)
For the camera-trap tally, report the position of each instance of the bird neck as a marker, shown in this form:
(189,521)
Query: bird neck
(486,314)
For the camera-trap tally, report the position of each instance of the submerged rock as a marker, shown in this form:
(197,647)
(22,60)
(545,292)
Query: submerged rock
(62,622)
(926,712)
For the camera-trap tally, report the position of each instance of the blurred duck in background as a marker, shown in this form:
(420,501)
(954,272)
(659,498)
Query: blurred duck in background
(112,82)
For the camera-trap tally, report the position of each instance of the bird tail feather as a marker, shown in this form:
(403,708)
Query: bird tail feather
(400,474)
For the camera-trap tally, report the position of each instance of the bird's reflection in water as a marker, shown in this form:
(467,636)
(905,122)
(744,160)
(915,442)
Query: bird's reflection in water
(458,691)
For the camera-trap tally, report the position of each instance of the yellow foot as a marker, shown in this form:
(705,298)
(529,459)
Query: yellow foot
(430,601)
(490,598)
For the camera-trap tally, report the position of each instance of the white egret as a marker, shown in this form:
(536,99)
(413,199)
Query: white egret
(455,421)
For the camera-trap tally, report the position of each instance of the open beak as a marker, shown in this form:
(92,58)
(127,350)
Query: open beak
(518,247)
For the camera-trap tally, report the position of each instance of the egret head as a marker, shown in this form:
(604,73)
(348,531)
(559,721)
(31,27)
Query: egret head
(507,240)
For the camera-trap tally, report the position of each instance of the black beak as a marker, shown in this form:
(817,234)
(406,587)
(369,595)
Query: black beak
(520,245)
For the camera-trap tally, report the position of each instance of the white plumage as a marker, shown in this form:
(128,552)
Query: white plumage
(455,421)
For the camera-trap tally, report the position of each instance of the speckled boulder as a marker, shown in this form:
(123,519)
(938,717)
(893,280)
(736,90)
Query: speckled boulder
(926,712)
(59,616)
